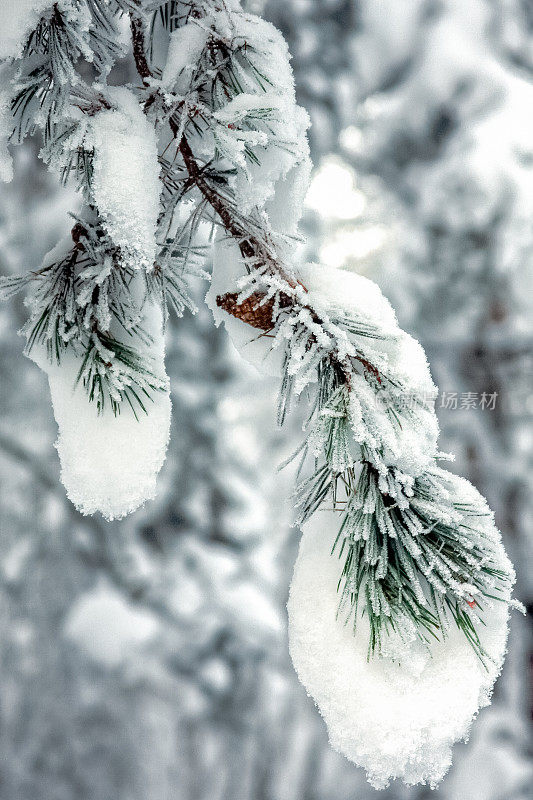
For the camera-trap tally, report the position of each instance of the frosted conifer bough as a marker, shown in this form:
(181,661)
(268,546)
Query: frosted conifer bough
(399,715)
(19,18)
(399,603)
(109,463)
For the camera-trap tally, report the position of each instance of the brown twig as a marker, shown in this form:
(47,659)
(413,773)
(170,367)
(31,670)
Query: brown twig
(249,246)
(139,52)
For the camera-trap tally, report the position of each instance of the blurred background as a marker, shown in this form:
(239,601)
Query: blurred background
(147,659)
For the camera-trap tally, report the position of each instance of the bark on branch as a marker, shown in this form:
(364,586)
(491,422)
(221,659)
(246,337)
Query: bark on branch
(249,246)
(139,51)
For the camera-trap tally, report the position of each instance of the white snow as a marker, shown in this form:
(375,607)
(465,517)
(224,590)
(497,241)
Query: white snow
(109,463)
(338,291)
(335,293)
(264,115)
(184,49)
(126,184)
(278,141)
(266,48)
(394,720)
(18,19)
(106,627)
(286,207)
(6,127)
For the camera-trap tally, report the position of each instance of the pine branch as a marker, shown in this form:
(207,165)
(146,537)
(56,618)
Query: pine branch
(412,558)
(255,252)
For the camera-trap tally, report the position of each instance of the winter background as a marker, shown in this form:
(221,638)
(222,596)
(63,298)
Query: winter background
(147,659)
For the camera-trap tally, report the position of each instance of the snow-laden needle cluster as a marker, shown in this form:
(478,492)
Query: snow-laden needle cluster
(209,137)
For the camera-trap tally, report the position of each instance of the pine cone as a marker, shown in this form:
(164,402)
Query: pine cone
(78,232)
(250,310)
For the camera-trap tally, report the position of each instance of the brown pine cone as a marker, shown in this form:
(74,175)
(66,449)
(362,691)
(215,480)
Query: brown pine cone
(250,310)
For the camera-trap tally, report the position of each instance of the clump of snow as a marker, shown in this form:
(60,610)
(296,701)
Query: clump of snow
(19,18)
(404,378)
(339,291)
(396,720)
(285,208)
(264,45)
(273,127)
(125,182)
(6,127)
(109,463)
(106,627)
(261,130)
(184,49)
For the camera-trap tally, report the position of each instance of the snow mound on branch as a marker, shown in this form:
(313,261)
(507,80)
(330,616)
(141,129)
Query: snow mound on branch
(125,182)
(261,130)
(19,18)
(184,49)
(285,208)
(263,43)
(109,463)
(273,128)
(394,720)
(338,292)
(404,379)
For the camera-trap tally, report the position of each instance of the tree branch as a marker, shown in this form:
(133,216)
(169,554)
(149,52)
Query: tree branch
(251,248)
(139,51)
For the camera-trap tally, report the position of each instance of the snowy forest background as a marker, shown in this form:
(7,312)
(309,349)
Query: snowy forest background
(147,659)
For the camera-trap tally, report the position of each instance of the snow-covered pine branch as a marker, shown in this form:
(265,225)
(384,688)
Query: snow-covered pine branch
(209,138)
